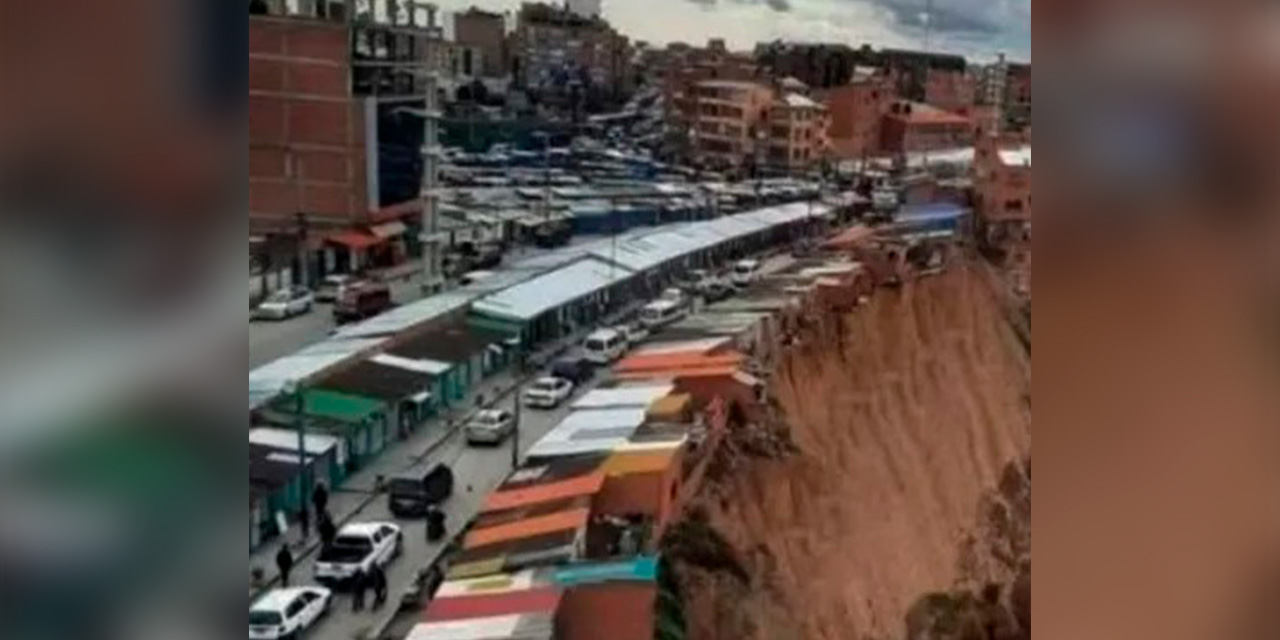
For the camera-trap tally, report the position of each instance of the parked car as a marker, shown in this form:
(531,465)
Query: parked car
(548,393)
(285,304)
(634,332)
(363,301)
(717,291)
(604,346)
(575,370)
(413,496)
(358,547)
(332,287)
(662,313)
(745,272)
(491,426)
(286,613)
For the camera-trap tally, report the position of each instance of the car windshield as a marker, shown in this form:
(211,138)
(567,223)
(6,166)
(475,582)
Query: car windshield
(491,418)
(352,542)
(545,385)
(264,618)
(595,344)
(407,487)
(280,296)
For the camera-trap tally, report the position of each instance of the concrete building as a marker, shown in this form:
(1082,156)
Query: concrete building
(856,111)
(564,56)
(486,33)
(913,127)
(1018,97)
(1002,183)
(797,135)
(727,121)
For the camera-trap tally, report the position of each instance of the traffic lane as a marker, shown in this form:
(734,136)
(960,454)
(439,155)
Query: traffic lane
(477,472)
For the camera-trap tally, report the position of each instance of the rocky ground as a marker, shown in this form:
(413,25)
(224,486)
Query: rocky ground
(887,495)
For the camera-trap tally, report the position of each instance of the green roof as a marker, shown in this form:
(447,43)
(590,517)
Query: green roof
(343,407)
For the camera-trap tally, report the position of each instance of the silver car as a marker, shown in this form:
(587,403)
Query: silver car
(490,427)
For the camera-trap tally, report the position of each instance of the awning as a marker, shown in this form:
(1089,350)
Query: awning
(354,240)
(389,230)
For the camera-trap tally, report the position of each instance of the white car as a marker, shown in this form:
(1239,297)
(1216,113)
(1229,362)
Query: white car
(548,393)
(332,288)
(634,333)
(491,426)
(358,547)
(745,272)
(286,613)
(285,304)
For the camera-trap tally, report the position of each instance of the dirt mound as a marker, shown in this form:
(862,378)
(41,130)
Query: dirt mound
(895,425)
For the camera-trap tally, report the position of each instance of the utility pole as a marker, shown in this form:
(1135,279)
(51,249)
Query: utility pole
(432,239)
(300,422)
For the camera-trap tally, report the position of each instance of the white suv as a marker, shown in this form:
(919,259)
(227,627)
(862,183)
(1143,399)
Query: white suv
(286,613)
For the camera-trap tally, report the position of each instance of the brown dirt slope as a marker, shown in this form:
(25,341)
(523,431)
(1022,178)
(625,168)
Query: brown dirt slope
(877,482)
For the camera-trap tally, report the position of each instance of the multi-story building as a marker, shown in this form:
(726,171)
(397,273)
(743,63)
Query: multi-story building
(914,127)
(1018,97)
(932,78)
(821,66)
(727,118)
(486,33)
(677,70)
(857,111)
(797,135)
(560,54)
(1002,183)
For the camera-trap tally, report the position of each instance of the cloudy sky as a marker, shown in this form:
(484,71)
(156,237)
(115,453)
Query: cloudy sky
(976,28)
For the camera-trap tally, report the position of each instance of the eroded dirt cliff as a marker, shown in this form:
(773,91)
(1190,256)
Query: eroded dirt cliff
(890,488)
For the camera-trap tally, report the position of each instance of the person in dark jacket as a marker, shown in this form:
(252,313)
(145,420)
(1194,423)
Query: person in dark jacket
(327,530)
(378,584)
(359,582)
(284,563)
(320,499)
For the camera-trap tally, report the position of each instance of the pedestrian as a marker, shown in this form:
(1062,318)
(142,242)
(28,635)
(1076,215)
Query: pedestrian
(304,523)
(320,498)
(327,530)
(284,563)
(359,582)
(378,583)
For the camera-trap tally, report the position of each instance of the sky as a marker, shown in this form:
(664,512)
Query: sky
(979,29)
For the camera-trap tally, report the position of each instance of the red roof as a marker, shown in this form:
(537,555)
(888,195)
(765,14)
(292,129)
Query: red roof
(354,239)
(529,528)
(544,600)
(584,486)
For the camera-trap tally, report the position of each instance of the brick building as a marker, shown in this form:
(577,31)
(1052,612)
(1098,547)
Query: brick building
(306,132)
(857,111)
(1018,97)
(727,122)
(486,33)
(913,127)
(1002,183)
(797,129)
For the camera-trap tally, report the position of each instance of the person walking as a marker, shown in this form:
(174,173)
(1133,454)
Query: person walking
(327,530)
(284,563)
(359,582)
(378,583)
(320,499)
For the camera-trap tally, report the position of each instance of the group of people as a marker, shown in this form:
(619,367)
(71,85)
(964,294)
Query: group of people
(375,580)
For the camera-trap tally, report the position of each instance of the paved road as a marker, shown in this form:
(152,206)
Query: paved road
(478,471)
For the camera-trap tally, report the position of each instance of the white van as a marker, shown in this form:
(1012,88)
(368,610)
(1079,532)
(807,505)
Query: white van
(604,346)
(745,272)
(662,313)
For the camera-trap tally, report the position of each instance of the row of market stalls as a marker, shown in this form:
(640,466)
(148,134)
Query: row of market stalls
(374,383)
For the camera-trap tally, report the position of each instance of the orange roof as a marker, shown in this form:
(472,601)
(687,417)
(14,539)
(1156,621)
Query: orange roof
(582,486)
(628,463)
(678,360)
(528,528)
(674,374)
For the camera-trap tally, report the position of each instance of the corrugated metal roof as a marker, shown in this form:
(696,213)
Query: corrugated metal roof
(372,379)
(268,380)
(623,397)
(589,431)
(702,346)
(583,486)
(494,584)
(669,361)
(513,627)
(408,316)
(633,462)
(565,520)
(529,300)
(543,600)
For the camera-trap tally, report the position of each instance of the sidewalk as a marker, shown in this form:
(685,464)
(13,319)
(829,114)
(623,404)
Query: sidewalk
(359,491)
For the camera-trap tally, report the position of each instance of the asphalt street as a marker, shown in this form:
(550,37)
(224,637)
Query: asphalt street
(478,471)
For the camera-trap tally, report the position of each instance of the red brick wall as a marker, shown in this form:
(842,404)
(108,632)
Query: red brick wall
(306,133)
(618,611)
(856,112)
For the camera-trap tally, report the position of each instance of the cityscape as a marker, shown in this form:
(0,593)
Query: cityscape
(558,333)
